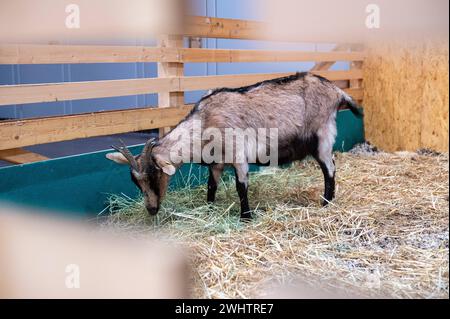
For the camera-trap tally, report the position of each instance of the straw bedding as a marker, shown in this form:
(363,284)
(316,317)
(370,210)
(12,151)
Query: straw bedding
(386,234)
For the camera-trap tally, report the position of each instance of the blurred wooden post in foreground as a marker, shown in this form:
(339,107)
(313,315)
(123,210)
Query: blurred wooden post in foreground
(41,257)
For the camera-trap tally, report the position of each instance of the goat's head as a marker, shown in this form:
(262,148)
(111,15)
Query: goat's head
(150,172)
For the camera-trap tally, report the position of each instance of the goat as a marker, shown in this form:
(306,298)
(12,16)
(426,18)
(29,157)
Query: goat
(302,108)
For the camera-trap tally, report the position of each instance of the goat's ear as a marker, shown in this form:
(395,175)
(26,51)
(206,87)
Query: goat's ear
(118,158)
(169,169)
(165,166)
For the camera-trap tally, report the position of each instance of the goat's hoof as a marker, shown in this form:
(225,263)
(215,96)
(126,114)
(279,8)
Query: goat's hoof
(325,203)
(246,217)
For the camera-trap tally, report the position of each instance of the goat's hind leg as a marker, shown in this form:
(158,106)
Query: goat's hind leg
(241,172)
(327,166)
(324,156)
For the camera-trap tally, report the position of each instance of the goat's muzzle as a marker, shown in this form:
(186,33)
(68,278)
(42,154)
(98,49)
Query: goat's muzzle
(152,210)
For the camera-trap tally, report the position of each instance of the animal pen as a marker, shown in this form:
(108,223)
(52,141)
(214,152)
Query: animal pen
(170,85)
(375,240)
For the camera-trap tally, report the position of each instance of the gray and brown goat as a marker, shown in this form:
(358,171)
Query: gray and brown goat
(302,108)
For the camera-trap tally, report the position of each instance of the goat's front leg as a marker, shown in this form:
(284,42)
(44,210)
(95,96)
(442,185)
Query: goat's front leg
(241,173)
(215,172)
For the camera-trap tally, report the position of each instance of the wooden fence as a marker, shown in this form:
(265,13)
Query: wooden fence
(170,83)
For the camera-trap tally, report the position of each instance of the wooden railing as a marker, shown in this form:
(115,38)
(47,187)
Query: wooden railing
(170,83)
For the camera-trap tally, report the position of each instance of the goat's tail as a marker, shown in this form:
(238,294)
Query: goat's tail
(347,100)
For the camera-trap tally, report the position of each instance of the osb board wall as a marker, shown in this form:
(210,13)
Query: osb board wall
(406,97)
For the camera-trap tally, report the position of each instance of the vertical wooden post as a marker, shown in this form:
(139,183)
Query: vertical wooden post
(170,69)
(356,84)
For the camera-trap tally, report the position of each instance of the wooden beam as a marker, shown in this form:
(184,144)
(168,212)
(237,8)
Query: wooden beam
(356,83)
(170,98)
(71,54)
(356,94)
(210,82)
(53,92)
(36,249)
(326,65)
(207,27)
(36,93)
(233,56)
(20,156)
(21,133)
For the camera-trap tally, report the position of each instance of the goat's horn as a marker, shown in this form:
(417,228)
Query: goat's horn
(126,152)
(149,147)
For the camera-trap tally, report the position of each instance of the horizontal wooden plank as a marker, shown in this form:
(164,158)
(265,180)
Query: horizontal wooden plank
(235,81)
(20,156)
(36,93)
(234,56)
(16,134)
(70,54)
(210,82)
